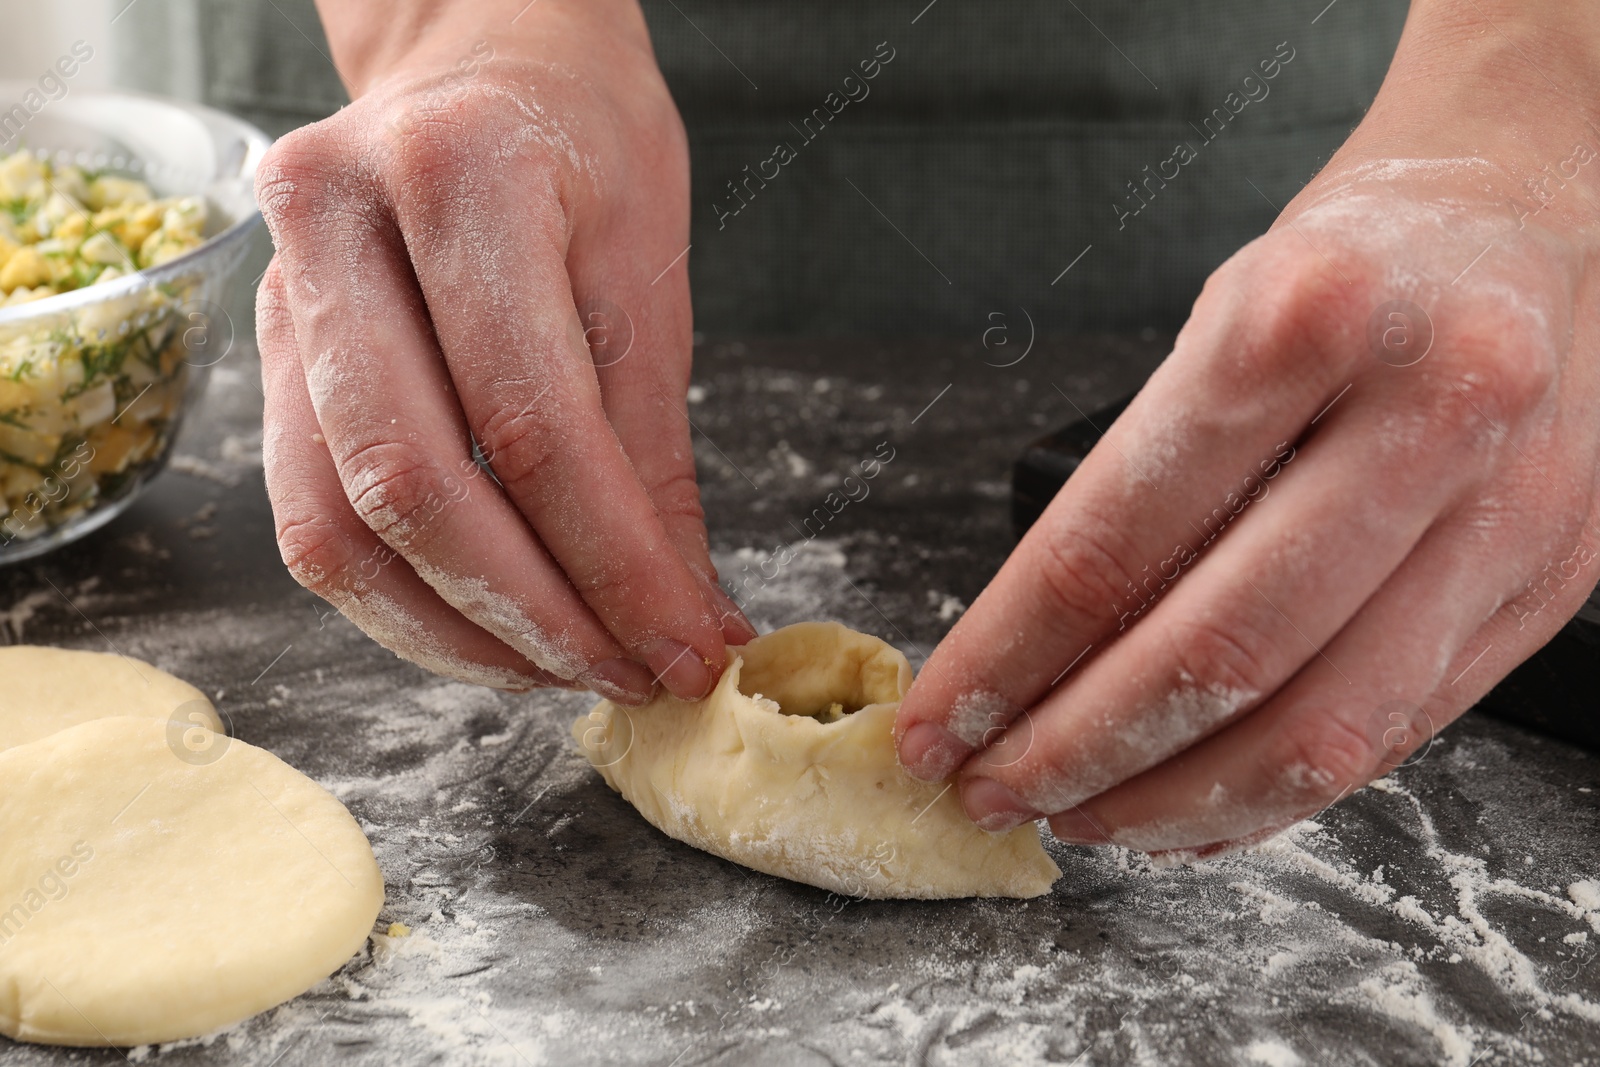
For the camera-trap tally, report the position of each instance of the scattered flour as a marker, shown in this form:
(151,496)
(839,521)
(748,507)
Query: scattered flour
(1585,894)
(1398,993)
(550,928)
(200,468)
(1272,1053)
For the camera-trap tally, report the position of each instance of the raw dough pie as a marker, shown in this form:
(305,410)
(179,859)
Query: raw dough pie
(789,767)
(43,690)
(147,895)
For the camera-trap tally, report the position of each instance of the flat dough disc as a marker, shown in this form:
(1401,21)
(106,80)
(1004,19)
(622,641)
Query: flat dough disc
(45,690)
(755,775)
(148,898)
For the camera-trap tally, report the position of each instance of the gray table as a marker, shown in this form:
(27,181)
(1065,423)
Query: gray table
(1427,921)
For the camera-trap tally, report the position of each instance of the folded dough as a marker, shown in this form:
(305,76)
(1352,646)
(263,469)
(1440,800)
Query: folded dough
(789,767)
(145,897)
(44,690)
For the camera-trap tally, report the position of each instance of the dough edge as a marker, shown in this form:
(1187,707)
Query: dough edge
(269,980)
(826,804)
(82,685)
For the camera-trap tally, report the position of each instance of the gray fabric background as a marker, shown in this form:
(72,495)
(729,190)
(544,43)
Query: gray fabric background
(989,153)
(263,60)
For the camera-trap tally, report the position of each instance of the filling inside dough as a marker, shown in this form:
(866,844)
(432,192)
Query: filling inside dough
(822,680)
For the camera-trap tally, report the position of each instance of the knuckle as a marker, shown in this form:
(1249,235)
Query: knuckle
(293,172)
(1232,654)
(524,444)
(272,304)
(1315,762)
(316,553)
(450,158)
(396,489)
(1286,322)
(1295,315)
(1082,578)
(1488,378)
(426,140)
(612,584)
(678,497)
(448,130)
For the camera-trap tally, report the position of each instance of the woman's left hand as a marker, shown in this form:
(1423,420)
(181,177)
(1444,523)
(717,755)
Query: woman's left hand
(1358,493)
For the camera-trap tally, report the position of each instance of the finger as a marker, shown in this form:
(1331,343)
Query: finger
(1293,570)
(330,551)
(1183,453)
(385,405)
(640,337)
(1419,654)
(517,357)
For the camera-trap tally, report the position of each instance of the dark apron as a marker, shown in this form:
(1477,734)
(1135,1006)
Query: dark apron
(895,168)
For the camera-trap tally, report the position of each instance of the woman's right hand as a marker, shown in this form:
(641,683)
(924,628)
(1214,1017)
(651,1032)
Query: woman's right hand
(488,246)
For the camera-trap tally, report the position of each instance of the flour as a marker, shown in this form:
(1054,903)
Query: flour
(1272,1054)
(16,618)
(201,468)
(805,589)
(552,926)
(244,450)
(974,714)
(1429,169)
(1187,712)
(1397,993)
(1585,894)
(394,627)
(949,608)
(505,618)
(1382,235)
(489,974)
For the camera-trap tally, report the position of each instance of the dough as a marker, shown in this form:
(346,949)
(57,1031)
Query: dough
(43,690)
(147,898)
(789,767)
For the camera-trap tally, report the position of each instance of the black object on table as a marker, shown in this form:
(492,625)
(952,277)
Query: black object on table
(1554,691)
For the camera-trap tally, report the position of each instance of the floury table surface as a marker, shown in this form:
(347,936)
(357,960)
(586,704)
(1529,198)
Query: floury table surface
(1450,915)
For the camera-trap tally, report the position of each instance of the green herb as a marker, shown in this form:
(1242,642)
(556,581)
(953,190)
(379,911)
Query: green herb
(20,462)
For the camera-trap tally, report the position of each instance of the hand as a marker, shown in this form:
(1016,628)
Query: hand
(486,246)
(1315,537)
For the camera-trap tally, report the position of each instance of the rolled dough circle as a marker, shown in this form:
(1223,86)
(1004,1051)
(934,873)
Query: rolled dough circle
(147,898)
(789,767)
(45,690)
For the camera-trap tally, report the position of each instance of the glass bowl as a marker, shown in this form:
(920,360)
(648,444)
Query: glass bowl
(95,383)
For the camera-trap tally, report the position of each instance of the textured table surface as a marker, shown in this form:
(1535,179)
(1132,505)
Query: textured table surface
(1446,916)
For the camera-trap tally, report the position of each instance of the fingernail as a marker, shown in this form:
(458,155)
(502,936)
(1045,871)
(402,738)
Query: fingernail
(994,807)
(735,627)
(621,680)
(930,752)
(1076,828)
(678,667)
